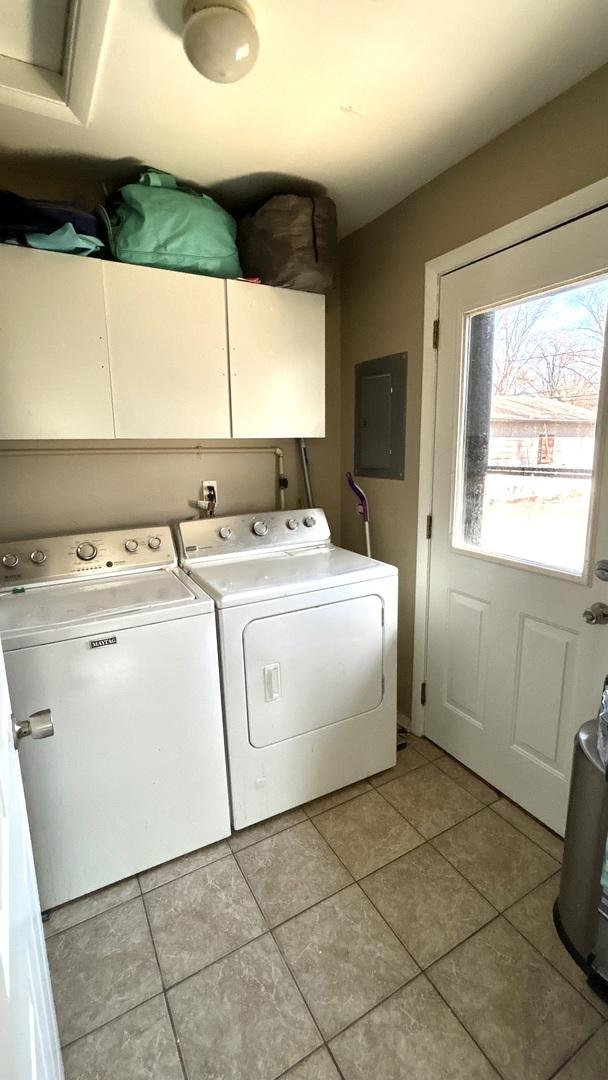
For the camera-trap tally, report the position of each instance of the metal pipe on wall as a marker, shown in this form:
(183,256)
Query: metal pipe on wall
(306,471)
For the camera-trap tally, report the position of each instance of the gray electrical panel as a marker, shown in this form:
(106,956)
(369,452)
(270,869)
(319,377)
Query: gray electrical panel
(380,403)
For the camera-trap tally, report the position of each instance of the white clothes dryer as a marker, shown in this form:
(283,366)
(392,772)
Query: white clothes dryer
(308,636)
(110,648)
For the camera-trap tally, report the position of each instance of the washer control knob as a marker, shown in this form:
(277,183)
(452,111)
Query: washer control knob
(310,521)
(131,545)
(86,551)
(154,543)
(38,557)
(225,532)
(10,560)
(259,528)
(292,523)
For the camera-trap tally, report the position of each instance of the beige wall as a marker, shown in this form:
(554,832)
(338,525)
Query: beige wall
(560,148)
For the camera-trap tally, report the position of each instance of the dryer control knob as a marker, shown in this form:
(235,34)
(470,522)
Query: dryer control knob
(310,521)
(154,543)
(131,545)
(292,523)
(86,551)
(38,557)
(10,560)
(259,528)
(225,532)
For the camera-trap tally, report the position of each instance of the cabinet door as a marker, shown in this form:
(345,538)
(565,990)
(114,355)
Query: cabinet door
(168,353)
(277,361)
(54,373)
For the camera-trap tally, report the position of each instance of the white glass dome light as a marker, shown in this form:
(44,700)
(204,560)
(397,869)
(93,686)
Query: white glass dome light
(220,39)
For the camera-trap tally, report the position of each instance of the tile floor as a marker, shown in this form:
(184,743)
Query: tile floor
(399,929)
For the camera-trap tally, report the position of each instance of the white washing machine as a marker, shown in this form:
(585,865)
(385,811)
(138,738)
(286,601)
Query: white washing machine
(308,635)
(110,637)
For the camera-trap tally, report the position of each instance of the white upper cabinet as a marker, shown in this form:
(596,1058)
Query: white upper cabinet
(277,361)
(168,353)
(54,375)
(102,350)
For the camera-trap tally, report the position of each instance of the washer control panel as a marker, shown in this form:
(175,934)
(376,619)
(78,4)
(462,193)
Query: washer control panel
(55,558)
(276,530)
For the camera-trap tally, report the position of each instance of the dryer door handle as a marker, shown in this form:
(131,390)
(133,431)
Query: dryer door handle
(272,682)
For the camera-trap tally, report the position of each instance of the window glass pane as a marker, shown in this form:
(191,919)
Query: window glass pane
(530,401)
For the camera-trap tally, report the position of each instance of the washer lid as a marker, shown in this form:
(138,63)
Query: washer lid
(245,581)
(45,606)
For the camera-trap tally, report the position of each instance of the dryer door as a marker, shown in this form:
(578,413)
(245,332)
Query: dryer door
(311,668)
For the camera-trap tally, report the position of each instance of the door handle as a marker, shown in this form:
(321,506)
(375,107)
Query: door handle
(272,682)
(601,569)
(596,614)
(39,725)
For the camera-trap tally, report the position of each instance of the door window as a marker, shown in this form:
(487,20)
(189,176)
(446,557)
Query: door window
(529,409)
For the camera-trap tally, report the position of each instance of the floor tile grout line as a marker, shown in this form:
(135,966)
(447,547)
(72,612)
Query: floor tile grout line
(165,998)
(555,1075)
(299,989)
(461,1021)
(285,828)
(405,772)
(513,902)
(309,906)
(405,982)
(501,915)
(421,975)
(502,795)
(308,1057)
(490,805)
(89,918)
(186,873)
(427,839)
(418,847)
(521,831)
(496,915)
(546,958)
(386,923)
(335,1061)
(351,798)
(269,930)
(464,1026)
(384,920)
(112,1020)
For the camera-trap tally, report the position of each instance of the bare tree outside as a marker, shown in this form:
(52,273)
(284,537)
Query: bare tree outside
(533,358)
(530,437)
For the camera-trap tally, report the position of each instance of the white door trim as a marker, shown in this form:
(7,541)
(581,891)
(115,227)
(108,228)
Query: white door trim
(548,217)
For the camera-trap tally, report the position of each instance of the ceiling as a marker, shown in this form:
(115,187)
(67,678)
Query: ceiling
(367,98)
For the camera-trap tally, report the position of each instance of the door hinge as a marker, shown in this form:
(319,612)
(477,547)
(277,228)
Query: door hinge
(429,526)
(423,693)
(436,334)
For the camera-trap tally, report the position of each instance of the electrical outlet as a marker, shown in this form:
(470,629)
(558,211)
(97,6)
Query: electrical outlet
(210,488)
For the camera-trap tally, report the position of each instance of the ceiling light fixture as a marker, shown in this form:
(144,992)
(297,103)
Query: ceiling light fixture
(220,39)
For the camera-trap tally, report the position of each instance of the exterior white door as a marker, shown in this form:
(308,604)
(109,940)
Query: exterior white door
(29,1043)
(520,512)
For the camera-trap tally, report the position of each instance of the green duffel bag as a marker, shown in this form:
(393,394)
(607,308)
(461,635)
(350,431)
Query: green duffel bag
(160,222)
